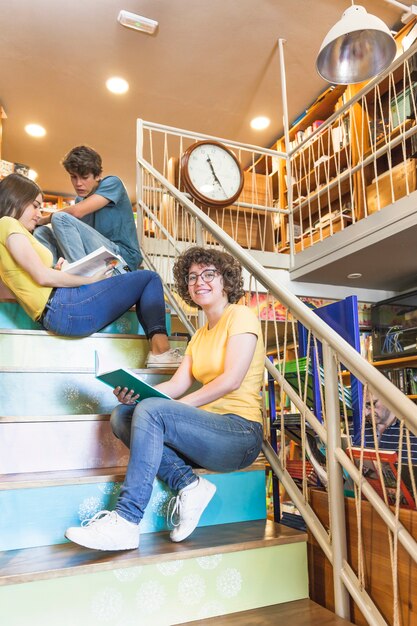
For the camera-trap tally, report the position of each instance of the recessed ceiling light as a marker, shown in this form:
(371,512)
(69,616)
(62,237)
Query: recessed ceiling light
(259,123)
(117,85)
(137,22)
(32,175)
(35,130)
(354,275)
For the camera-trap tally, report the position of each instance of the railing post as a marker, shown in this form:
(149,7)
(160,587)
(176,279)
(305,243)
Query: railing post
(199,239)
(287,149)
(335,482)
(139,180)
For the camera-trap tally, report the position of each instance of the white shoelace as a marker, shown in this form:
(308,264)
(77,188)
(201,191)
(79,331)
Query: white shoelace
(174,511)
(97,517)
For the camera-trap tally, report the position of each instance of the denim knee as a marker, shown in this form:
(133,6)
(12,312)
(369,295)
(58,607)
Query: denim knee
(62,218)
(118,418)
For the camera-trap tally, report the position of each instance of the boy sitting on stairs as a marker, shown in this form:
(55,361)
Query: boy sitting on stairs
(218,427)
(67,304)
(101,216)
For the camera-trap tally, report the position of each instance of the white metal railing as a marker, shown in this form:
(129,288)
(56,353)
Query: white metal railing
(170,223)
(359,160)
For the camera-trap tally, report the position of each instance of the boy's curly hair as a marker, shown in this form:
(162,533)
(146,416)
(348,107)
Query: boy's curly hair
(83,161)
(225,264)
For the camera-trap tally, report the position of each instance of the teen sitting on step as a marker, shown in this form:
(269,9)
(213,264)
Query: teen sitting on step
(101,216)
(218,427)
(66,304)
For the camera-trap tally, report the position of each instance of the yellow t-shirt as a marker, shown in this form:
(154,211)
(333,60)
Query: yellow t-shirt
(31,296)
(207,349)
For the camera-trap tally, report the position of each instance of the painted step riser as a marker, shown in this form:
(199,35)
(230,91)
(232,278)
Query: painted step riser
(39,516)
(57,393)
(34,350)
(13,317)
(167,593)
(56,446)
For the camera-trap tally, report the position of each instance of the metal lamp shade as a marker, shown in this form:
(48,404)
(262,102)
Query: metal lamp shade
(357,48)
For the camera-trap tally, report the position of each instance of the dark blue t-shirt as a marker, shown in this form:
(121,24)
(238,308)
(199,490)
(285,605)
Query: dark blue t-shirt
(115,220)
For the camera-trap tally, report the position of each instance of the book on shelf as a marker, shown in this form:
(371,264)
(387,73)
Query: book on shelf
(97,260)
(124,377)
(389,471)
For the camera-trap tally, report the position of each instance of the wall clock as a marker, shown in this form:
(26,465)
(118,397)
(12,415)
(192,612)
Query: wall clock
(212,174)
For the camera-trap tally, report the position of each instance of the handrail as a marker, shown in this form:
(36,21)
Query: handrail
(394,399)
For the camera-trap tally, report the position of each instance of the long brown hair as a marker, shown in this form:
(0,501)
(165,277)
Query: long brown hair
(16,193)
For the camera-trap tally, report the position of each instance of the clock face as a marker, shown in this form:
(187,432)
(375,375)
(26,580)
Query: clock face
(212,173)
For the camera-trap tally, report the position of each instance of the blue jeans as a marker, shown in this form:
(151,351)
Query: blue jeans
(167,438)
(70,238)
(81,311)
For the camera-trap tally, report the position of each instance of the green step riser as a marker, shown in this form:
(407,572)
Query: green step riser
(56,393)
(42,350)
(60,445)
(12,316)
(39,516)
(162,594)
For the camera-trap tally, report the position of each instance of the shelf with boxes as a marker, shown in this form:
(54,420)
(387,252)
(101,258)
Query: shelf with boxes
(357,164)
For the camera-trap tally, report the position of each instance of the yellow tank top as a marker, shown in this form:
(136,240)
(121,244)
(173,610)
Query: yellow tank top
(30,295)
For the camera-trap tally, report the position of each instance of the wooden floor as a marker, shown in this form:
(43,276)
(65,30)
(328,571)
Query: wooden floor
(17,566)
(297,613)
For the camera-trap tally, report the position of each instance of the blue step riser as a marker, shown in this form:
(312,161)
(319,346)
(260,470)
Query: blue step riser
(172,592)
(12,316)
(39,516)
(56,393)
(59,445)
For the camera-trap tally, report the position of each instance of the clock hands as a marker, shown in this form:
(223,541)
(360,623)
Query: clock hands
(215,176)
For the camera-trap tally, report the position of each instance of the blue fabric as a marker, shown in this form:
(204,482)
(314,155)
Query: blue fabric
(115,221)
(167,438)
(81,311)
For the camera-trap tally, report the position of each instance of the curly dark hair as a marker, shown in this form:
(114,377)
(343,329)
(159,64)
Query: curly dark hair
(83,161)
(16,193)
(225,264)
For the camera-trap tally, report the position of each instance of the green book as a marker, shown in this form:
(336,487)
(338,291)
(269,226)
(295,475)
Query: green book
(123,377)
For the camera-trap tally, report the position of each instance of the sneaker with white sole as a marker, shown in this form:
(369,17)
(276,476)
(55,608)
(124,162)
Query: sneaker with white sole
(106,530)
(170,358)
(188,506)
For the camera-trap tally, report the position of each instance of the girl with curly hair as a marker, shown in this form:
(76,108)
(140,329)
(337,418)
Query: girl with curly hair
(217,426)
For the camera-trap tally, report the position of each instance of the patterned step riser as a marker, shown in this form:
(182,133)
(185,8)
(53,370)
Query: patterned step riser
(13,317)
(57,393)
(172,592)
(39,516)
(35,350)
(59,445)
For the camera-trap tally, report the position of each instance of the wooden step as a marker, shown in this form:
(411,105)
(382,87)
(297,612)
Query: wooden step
(217,570)
(30,564)
(37,508)
(297,613)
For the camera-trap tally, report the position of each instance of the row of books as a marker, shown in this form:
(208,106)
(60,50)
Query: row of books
(404,378)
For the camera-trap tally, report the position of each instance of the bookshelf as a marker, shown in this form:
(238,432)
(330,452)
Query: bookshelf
(325,184)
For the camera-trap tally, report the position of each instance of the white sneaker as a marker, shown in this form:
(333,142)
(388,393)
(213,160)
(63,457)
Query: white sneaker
(107,530)
(170,358)
(188,507)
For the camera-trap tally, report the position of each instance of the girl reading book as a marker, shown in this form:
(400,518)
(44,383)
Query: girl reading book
(217,427)
(65,303)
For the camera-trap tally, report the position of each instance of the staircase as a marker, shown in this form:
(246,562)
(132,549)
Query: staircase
(60,463)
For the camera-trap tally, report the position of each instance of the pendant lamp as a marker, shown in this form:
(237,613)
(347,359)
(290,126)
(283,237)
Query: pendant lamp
(357,48)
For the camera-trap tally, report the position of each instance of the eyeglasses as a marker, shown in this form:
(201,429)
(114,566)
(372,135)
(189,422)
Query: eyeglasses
(207,275)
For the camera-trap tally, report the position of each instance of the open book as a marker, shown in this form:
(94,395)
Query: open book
(95,261)
(389,461)
(123,377)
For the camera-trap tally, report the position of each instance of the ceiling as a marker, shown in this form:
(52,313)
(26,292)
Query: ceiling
(211,67)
